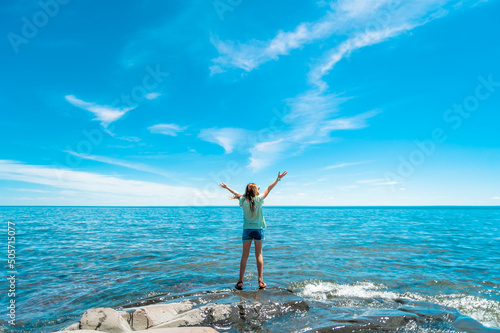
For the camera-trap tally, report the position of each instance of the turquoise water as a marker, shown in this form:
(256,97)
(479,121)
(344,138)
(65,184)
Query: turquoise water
(70,259)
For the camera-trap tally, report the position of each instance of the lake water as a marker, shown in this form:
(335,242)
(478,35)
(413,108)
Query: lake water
(70,259)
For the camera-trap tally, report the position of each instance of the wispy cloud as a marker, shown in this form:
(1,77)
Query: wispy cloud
(386,183)
(495,198)
(97,184)
(265,153)
(152,95)
(104,113)
(249,56)
(31,190)
(346,187)
(344,18)
(166,129)
(310,120)
(126,164)
(368,181)
(363,39)
(314,114)
(228,138)
(343,165)
(377,182)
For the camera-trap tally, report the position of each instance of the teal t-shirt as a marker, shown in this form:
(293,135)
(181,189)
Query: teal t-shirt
(255,221)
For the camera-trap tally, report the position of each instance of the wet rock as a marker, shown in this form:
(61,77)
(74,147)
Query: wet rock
(160,330)
(370,320)
(389,318)
(226,308)
(104,320)
(467,324)
(142,318)
(430,311)
(181,330)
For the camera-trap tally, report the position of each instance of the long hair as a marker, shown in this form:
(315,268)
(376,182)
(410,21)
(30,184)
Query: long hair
(251,192)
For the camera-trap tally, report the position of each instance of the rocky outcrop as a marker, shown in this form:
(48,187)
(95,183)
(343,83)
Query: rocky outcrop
(232,308)
(143,318)
(104,320)
(196,313)
(160,330)
(79,331)
(274,310)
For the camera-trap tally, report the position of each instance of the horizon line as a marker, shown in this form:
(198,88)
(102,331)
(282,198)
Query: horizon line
(270,206)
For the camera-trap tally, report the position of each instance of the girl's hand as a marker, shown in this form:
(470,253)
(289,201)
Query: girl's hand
(223,185)
(281,175)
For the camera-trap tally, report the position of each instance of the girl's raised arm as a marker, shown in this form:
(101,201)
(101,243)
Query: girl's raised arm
(236,194)
(273,184)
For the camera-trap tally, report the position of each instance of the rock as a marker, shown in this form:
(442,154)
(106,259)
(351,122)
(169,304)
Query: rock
(159,330)
(189,318)
(389,318)
(467,324)
(181,330)
(430,311)
(72,327)
(104,320)
(77,331)
(370,320)
(205,315)
(225,308)
(142,318)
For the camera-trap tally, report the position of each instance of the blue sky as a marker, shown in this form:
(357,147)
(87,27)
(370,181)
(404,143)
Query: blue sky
(372,102)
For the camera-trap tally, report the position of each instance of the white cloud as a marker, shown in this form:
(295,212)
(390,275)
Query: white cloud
(345,18)
(104,113)
(265,153)
(356,8)
(377,182)
(495,198)
(386,183)
(250,55)
(343,165)
(152,95)
(360,40)
(166,129)
(125,164)
(228,138)
(368,181)
(31,190)
(347,187)
(308,112)
(309,122)
(314,114)
(91,184)
(346,123)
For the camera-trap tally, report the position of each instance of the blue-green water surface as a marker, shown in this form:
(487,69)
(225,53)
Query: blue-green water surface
(70,259)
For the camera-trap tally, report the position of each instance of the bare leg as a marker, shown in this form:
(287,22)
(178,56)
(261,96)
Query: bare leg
(260,261)
(244,257)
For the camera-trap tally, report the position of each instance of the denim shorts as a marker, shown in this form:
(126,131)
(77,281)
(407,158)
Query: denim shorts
(255,234)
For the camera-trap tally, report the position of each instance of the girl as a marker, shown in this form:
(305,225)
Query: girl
(253,225)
